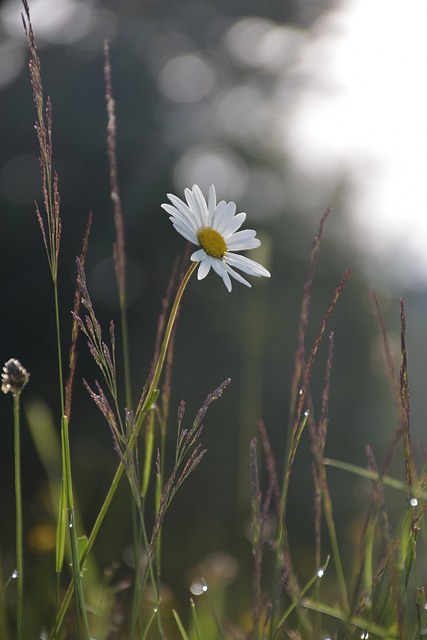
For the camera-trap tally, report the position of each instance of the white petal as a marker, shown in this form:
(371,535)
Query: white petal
(211,204)
(246,264)
(222,221)
(204,268)
(195,208)
(181,209)
(199,255)
(187,219)
(184,230)
(236,275)
(234,224)
(218,213)
(242,240)
(219,267)
(201,204)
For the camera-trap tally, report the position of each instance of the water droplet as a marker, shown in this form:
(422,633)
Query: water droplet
(413,502)
(155,610)
(365,635)
(198,587)
(14,575)
(300,392)
(320,573)
(70,525)
(306,413)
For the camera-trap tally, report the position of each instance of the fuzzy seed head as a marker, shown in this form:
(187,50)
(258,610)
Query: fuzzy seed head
(14,377)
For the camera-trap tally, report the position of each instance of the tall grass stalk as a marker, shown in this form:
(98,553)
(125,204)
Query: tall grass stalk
(298,417)
(51,226)
(119,249)
(146,402)
(14,379)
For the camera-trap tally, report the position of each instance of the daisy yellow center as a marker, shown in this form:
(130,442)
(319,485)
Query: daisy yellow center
(212,242)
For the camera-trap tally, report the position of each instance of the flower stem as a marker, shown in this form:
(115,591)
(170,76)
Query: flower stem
(159,366)
(145,407)
(18,500)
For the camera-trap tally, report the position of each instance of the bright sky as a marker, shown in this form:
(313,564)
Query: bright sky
(367,109)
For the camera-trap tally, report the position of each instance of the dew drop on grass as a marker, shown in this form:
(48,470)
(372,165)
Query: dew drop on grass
(413,502)
(306,413)
(320,573)
(364,636)
(198,588)
(14,575)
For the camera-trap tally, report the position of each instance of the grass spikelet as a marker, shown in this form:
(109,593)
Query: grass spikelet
(50,225)
(72,357)
(119,247)
(400,388)
(187,457)
(299,358)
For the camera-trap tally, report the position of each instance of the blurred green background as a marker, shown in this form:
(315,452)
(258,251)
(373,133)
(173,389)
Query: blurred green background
(202,90)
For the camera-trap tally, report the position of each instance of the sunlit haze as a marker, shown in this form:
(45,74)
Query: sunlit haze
(282,119)
(365,110)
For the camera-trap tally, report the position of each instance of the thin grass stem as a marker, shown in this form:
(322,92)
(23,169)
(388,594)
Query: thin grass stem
(58,345)
(72,527)
(18,502)
(195,619)
(149,624)
(180,625)
(314,579)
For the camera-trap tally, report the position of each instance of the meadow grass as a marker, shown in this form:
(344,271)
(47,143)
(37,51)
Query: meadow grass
(378,596)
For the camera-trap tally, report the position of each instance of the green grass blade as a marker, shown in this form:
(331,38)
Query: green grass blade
(317,576)
(195,619)
(68,486)
(148,454)
(61,529)
(180,625)
(387,481)
(355,621)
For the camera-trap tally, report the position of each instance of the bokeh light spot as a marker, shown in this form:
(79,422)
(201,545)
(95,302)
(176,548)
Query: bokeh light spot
(187,78)
(205,167)
(242,39)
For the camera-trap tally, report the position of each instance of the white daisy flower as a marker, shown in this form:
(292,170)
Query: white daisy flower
(214,228)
